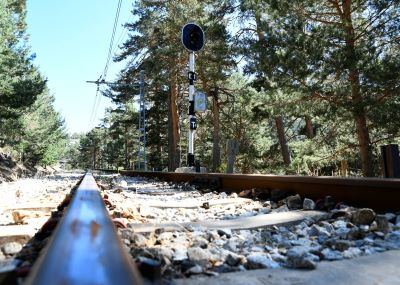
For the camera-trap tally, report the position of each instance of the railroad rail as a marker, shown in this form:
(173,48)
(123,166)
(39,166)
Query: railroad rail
(377,193)
(85,248)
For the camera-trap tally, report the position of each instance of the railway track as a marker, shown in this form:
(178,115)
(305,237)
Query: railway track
(377,193)
(172,230)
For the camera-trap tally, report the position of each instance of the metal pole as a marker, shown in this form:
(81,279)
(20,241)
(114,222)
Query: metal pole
(144,117)
(142,125)
(139,135)
(192,117)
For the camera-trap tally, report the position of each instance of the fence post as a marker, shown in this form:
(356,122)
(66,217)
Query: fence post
(232,149)
(344,167)
(390,161)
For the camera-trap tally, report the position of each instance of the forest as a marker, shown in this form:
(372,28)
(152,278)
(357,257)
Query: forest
(31,131)
(304,87)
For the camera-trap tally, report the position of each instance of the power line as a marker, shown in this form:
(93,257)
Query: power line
(92,115)
(110,48)
(122,35)
(97,99)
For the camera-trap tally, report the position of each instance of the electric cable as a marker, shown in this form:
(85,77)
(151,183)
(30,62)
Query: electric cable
(122,35)
(110,48)
(93,108)
(97,99)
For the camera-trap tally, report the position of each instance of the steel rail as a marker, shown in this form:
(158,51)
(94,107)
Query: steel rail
(377,193)
(85,248)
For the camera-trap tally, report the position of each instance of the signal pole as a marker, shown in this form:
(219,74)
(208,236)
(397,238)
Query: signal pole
(193,40)
(142,125)
(192,114)
(142,115)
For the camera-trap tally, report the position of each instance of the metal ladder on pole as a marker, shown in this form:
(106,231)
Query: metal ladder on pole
(183,140)
(142,156)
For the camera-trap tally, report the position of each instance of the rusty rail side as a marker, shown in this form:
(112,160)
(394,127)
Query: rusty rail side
(377,193)
(85,248)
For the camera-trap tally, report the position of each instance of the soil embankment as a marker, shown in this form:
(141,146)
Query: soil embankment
(11,170)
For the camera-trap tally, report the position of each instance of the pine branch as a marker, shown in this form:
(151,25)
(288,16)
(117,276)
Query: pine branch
(336,5)
(337,152)
(371,21)
(386,138)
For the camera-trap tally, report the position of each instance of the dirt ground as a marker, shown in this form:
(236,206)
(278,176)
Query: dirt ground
(10,170)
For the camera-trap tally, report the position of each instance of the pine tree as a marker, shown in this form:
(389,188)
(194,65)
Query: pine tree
(336,51)
(155,46)
(254,13)
(44,138)
(20,81)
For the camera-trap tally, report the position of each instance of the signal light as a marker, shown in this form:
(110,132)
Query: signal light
(192,37)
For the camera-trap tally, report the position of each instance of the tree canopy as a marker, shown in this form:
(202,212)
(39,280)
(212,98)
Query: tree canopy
(305,87)
(28,122)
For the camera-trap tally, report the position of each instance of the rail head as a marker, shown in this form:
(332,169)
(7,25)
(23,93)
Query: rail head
(378,193)
(85,248)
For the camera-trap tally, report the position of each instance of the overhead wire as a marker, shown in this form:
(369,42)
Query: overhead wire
(97,99)
(92,115)
(122,35)
(110,48)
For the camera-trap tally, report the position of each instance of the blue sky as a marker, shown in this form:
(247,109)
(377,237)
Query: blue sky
(71,40)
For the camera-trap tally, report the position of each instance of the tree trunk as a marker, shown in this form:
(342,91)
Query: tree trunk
(282,140)
(173,126)
(365,147)
(126,159)
(356,96)
(309,128)
(158,161)
(232,149)
(94,157)
(216,152)
(278,120)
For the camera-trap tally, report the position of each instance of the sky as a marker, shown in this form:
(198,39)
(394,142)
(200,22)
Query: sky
(71,40)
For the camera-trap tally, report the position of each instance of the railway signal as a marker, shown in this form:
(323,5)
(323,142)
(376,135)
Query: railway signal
(192,40)
(142,156)
(192,37)
(200,102)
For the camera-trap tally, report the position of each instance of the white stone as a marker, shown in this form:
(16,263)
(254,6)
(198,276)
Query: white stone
(339,224)
(308,204)
(301,242)
(390,216)
(180,254)
(197,269)
(190,170)
(329,254)
(148,212)
(327,226)
(260,260)
(11,248)
(299,257)
(123,184)
(234,259)
(352,252)
(342,232)
(198,255)
(233,195)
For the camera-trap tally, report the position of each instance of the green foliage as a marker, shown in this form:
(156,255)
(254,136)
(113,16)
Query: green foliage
(344,63)
(317,81)
(28,121)
(44,137)
(20,81)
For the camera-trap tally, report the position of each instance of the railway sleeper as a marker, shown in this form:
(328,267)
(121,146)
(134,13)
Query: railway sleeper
(147,239)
